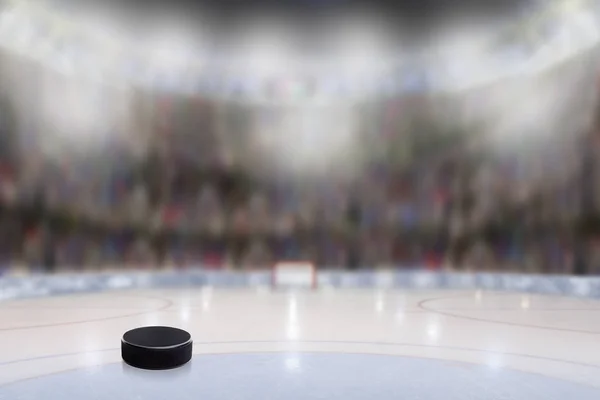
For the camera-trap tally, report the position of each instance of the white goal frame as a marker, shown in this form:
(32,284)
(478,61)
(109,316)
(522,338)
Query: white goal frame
(294,274)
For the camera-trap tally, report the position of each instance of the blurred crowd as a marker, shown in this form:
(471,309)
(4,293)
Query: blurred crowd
(184,189)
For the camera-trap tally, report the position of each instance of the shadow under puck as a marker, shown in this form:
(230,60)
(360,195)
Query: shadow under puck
(156,347)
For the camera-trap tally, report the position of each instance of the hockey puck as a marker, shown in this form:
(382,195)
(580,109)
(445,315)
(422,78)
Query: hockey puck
(156,347)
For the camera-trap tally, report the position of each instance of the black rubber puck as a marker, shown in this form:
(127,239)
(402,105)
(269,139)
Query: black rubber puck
(156,347)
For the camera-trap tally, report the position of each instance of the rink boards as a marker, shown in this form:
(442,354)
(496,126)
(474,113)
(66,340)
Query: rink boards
(47,285)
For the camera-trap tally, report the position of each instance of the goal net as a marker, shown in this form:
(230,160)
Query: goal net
(294,275)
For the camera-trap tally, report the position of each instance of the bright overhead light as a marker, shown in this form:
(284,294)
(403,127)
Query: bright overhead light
(263,51)
(359,51)
(361,48)
(9,18)
(169,54)
(264,60)
(585,27)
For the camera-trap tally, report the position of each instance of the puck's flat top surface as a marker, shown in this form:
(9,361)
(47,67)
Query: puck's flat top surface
(156,337)
(301,376)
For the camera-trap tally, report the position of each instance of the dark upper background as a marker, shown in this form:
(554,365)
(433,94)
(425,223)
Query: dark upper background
(406,18)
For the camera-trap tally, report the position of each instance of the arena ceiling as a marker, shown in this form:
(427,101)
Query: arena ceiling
(241,49)
(404,17)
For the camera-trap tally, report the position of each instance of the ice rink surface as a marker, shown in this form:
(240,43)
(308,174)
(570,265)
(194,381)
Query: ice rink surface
(323,344)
